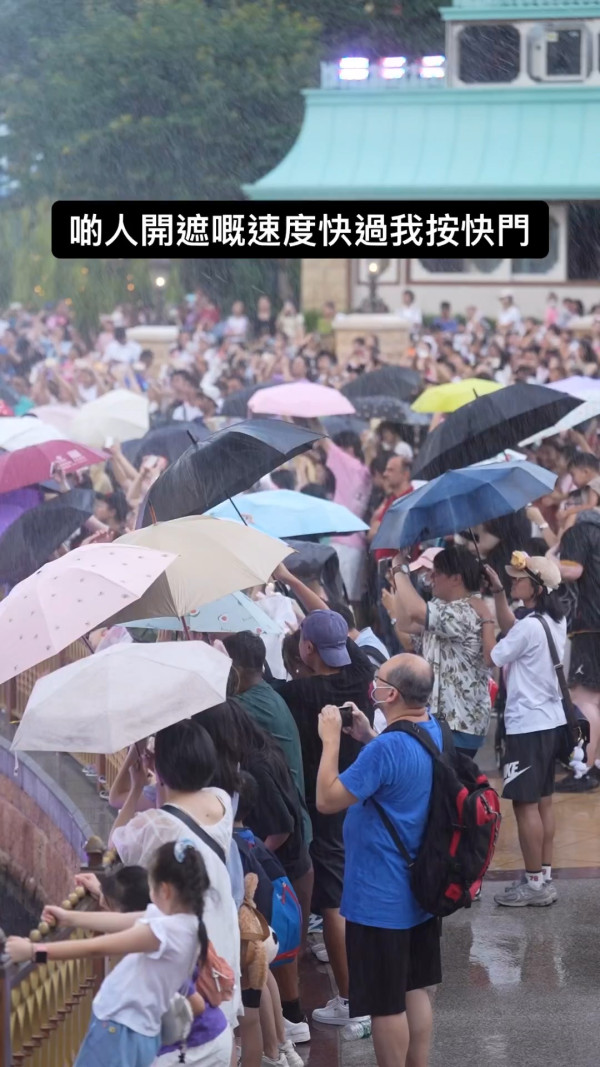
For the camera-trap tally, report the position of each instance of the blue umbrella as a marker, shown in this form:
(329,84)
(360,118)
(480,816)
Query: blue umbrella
(285,513)
(230,614)
(460,499)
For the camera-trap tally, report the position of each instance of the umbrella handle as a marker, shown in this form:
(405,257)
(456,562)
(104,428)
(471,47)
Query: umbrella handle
(238,511)
(477,553)
(186,630)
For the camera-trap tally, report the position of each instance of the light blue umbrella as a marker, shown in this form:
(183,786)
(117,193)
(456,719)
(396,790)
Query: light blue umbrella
(230,614)
(285,513)
(460,499)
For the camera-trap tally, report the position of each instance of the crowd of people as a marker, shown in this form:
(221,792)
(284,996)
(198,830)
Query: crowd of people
(275,784)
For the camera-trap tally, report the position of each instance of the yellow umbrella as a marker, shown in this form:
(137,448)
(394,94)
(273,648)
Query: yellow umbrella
(445,398)
(214,557)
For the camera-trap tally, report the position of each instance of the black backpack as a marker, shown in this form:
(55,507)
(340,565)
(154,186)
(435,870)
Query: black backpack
(461,832)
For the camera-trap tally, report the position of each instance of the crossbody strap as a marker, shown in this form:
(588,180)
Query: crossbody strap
(421,735)
(196,829)
(559,669)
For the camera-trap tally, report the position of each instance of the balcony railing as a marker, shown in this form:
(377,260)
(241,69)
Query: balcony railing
(45,1008)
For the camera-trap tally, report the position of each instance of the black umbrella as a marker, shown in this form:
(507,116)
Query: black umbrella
(389,407)
(236,405)
(230,461)
(400,382)
(170,439)
(334,424)
(488,425)
(312,560)
(30,541)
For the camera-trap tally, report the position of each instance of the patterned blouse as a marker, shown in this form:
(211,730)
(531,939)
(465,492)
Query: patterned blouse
(452,645)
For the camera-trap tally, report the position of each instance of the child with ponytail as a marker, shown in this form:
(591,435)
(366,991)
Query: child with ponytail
(160,946)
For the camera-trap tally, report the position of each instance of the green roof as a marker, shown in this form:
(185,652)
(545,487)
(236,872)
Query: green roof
(517,10)
(536,143)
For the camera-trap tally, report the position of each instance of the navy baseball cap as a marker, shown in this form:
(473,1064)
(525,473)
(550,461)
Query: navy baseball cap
(328,632)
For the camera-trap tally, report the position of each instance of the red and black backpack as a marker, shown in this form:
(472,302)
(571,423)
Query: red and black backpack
(462,827)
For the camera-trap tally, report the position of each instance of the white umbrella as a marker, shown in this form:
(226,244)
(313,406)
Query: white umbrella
(21,432)
(215,557)
(590,409)
(120,414)
(110,700)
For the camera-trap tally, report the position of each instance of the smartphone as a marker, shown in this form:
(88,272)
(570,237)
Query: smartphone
(109,442)
(347,717)
(383,567)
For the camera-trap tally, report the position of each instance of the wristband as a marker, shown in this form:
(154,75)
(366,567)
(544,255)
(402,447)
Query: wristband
(39,955)
(497,592)
(543,526)
(403,569)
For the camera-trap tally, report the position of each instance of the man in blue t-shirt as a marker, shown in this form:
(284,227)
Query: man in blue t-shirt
(393,946)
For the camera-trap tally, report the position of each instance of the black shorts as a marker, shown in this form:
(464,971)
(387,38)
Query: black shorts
(327,854)
(385,965)
(584,668)
(528,769)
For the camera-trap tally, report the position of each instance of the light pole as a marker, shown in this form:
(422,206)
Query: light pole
(375,269)
(159,276)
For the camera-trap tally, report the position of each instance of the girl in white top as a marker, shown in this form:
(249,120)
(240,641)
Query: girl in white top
(160,948)
(184,761)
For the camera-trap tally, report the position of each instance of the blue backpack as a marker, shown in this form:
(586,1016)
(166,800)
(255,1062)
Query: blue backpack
(285,913)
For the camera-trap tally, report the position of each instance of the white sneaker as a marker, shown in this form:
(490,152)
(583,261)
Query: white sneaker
(294,1059)
(297,1033)
(320,951)
(268,1062)
(335,1013)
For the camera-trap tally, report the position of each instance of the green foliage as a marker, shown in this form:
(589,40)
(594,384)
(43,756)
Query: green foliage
(376,27)
(151,99)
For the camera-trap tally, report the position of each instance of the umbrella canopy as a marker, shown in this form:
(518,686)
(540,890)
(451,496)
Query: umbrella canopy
(110,700)
(29,542)
(19,433)
(400,382)
(488,425)
(170,440)
(33,464)
(589,409)
(232,460)
(453,395)
(69,597)
(214,558)
(300,400)
(579,386)
(460,499)
(12,505)
(334,424)
(120,414)
(230,614)
(388,407)
(285,513)
(236,405)
(57,416)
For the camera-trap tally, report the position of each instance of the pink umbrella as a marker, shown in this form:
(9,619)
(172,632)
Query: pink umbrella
(301,400)
(34,464)
(69,597)
(59,416)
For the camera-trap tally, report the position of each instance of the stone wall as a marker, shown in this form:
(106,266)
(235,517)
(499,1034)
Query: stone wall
(41,832)
(325,279)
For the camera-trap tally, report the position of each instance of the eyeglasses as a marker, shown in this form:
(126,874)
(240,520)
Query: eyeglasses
(384,685)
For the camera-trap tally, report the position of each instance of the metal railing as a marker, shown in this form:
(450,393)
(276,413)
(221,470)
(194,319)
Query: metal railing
(45,1008)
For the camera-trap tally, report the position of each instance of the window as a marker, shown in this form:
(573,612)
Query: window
(563,53)
(489,54)
(541,266)
(460,266)
(583,249)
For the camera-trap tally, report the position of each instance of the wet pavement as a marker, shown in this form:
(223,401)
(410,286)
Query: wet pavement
(520,985)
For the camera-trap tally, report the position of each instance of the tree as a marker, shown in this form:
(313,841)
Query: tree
(376,28)
(151,99)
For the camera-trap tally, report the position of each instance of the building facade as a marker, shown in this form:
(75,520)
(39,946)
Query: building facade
(511,112)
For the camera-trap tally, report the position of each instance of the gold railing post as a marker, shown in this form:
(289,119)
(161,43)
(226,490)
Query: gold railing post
(5,1054)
